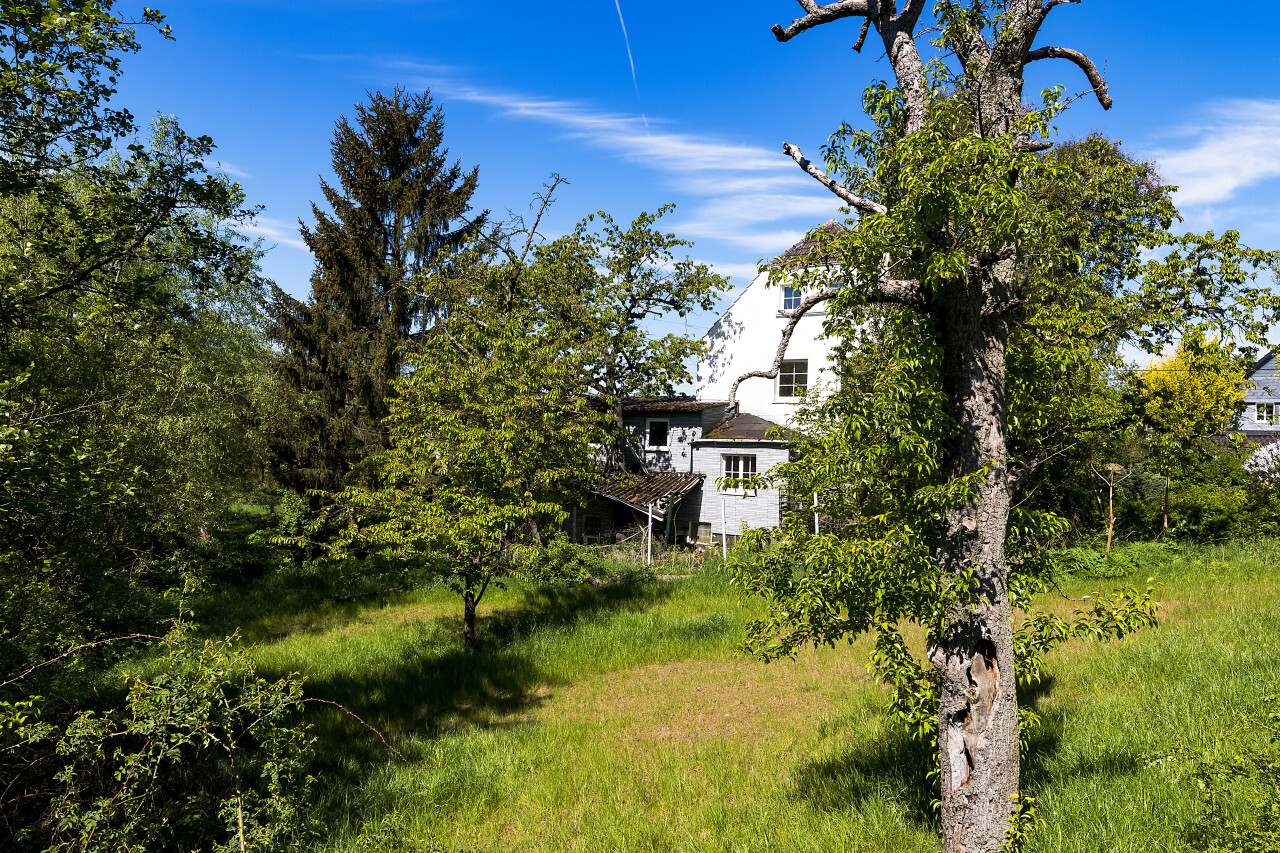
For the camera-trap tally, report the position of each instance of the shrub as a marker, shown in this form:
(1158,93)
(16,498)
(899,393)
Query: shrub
(201,756)
(1241,791)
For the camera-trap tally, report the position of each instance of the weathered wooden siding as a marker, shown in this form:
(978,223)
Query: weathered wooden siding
(1266,390)
(741,512)
(684,430)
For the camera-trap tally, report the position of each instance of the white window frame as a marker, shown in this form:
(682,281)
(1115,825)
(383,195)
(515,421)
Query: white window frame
(648,434)
(740,471)
(793,397)
(1265,413)
(791,294)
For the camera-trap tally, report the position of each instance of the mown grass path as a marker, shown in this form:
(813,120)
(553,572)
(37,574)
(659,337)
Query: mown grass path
(624,719)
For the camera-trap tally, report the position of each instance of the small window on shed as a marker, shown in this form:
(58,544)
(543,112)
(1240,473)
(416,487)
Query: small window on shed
(701,532)
(738,467)
(591,528)
(658,432)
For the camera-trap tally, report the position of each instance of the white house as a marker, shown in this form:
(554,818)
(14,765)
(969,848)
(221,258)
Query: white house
(685,448)
(746,338)
(682,448)
(1261,414)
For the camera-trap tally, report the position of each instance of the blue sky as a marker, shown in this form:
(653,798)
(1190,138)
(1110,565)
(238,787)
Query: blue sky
(530,89)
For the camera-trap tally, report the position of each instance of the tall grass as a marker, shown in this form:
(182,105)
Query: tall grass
(622,718)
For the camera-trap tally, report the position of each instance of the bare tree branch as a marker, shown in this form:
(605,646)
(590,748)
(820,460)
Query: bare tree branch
(794,316)
(862,35)
(75,649)
(910,14)
(818,15)
(1085,63)
(865,205)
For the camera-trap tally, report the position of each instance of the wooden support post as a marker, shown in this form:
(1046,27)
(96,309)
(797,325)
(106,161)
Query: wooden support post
(649,560)
(724,532)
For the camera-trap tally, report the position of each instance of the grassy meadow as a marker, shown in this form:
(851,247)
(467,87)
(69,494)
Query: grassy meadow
(623,718)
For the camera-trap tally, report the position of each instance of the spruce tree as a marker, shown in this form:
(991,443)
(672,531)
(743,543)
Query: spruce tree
(397,205)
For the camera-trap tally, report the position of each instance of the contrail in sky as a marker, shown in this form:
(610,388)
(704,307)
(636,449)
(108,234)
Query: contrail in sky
(627,40)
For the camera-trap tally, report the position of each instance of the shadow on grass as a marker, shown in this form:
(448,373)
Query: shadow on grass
(436,686)
(1042,769)
(897,768)
(894,768)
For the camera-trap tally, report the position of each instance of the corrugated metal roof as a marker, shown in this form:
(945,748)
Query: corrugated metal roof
(638,491)
(742,427)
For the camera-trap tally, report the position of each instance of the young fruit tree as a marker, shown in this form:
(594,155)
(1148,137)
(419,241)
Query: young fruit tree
(497,425)
(1004,273)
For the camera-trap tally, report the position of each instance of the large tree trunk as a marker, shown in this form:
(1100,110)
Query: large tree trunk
(978,708)
(978,713)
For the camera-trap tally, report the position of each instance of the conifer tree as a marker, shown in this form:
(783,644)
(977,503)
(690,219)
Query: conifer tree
(397,205)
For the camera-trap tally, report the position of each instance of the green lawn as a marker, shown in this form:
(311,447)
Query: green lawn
(623,719)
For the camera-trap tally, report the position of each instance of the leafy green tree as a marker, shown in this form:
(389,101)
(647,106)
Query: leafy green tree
(963,237)
(490,431)
(398,204)
(131,368)
(624,277)
(1194,393)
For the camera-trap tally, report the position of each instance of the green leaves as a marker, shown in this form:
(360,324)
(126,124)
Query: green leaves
(202,754)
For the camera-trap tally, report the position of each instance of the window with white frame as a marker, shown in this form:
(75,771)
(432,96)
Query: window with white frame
(659,431)
(1266,413)
(791,298)
(700,532)
(591,528)
(793,378)
(734,469)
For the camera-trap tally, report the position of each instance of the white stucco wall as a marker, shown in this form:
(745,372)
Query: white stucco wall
(746,338)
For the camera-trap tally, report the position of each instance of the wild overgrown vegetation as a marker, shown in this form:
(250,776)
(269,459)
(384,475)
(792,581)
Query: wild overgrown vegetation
(285,574)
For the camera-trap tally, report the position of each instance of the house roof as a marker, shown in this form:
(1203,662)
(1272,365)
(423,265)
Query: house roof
(1257,365)
(742,427)
(674,403)
(804,252)
(639,491)
(678,403)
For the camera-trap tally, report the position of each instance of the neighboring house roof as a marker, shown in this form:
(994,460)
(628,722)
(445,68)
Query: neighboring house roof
(803,252)
(678,403)
(1257,365)
(674,403)
(640,491)
(743,427)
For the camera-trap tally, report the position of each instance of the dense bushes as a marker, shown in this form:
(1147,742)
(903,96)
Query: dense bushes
(198,754)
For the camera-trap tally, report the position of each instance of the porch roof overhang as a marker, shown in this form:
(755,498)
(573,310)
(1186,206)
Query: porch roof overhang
(640,491)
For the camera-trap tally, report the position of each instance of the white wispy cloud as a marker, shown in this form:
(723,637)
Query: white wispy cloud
(1234,147)
(275,231)
(748,196)
(223,166)
(741,272)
